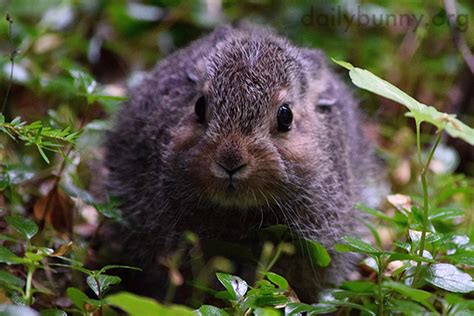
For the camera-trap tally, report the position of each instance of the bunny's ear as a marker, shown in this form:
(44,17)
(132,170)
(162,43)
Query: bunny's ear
(314,61)
(328,96)
(197,71)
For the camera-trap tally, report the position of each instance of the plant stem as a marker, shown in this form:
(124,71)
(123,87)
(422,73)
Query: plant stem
(29,279)
(424,184)
(275,258)
(12,61)
(379,281)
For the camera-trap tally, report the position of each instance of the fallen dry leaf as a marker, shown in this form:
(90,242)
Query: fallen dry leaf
(56,208)
(63,249)
(400,201)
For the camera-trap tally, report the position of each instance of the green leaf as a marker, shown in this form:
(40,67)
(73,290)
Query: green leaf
(23,225)
(53,312)
(406,307)
(462,257)
(420,112)
(108,210)
(415,294)
(208,310)
(11,280)
(278,280)
(294,309)
(316,252)
(135,305)
(357,245)
(448,277)
(233,284)
(359,286)
(259,311)
(78,298)
(374,212)
(268,298)
(406,256)
(100,284)
(8,257)
(445,214)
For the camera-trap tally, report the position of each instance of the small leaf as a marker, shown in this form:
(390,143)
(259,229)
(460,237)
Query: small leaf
(62,250)
(233,284)
(53,312)
(316,252)
(278,280)
(135,305)
(259,311)
(208,310)
(466,258)
(406,256)
(445,214)
(296,309)
(78,298)
(101,283)
(11,280)
(374,212)
(406,308)
(359,286)
(357,245)
(415,294)
(450,278)
(24,226)
(8,257)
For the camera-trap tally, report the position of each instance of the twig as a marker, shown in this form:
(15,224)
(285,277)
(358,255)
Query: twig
(12,59)
(459,41)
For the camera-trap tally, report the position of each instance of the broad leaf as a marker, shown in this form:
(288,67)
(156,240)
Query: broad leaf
(415,294)
(359,286)
(445,214)
(278,280)
(135,305)
(24,226)
(357,245)
(316,252)
(208,310)
(294,309)
(259,311)
(420,112)
(53,312)
(11,280)
(466,258)
(8,257)
(233,284)
(78,298)
(450,278)
(100,284)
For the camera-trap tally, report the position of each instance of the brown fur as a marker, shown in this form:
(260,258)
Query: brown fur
(164,167)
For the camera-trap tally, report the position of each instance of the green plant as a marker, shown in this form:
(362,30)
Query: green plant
(36,258)
(53,104)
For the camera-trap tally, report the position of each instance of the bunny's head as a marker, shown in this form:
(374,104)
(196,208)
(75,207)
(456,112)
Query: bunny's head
(255,136)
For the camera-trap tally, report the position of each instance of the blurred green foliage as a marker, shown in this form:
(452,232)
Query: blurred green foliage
(73,62)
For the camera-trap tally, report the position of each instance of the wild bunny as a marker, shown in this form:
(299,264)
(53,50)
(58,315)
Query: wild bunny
(239,130)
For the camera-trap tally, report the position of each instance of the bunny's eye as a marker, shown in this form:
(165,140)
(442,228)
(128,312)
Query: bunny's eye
(284,117)
(200,109)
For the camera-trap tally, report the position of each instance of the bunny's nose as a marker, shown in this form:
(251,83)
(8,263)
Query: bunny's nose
(231,159)
(231,170)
